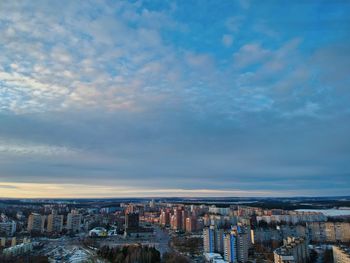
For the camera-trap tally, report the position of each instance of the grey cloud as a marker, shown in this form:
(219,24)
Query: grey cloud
(137,111)
(176,149)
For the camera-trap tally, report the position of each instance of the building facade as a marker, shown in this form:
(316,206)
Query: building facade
(341,254)
(329,231)
(74,221)
(294,250)
(36,223)
(8,228)
(54,223)
(230,254)
(132,221)
(209,239)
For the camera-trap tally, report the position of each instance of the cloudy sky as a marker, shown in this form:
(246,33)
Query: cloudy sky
(174,98)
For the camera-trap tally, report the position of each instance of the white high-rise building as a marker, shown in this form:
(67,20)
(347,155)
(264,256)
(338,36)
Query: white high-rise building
(74,221)
(242,246)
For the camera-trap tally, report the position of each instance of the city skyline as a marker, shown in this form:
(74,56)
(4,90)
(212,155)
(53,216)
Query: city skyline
(174,98)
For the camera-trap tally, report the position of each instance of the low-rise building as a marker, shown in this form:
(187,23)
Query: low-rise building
(213,258)
(18,249)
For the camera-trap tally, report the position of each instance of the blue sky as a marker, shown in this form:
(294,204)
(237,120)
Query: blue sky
(174,98)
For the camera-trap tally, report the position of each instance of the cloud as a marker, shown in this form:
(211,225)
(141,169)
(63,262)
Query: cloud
(5,186)
(250,54)
(227,40)
(47,73)
(310,109)
(264,28)
(9,148)
(36,190)
(144,97)
(91,66)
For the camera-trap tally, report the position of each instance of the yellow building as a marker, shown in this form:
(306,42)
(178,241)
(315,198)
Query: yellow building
(341,254)
(36,223)
(54,222)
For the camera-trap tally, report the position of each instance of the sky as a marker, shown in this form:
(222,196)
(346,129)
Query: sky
(174,98)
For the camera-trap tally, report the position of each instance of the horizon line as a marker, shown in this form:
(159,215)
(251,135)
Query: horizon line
(179,197)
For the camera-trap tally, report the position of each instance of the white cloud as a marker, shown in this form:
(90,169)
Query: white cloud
(29,149)
(250,54)
(227,40)
(119,61)
(77,62)
(262,27)
(198,60)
